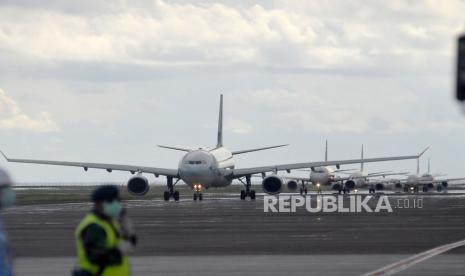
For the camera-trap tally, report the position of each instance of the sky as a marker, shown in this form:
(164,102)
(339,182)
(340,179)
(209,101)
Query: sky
(107,81)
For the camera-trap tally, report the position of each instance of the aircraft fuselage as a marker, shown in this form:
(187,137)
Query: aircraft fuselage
(202,167)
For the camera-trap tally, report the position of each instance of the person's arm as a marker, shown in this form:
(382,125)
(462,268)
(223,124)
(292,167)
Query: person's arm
(94,239)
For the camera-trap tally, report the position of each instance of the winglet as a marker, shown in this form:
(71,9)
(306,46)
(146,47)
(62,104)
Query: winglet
(420,154)
(4,155)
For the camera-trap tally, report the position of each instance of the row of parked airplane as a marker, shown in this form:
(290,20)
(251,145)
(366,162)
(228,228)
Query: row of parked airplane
(354,180)
(203,168)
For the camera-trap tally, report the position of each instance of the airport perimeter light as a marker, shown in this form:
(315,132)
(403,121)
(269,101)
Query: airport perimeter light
(461,69)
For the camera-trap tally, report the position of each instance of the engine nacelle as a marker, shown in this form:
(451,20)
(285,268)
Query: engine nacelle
(138,185)
(337,186)
(379,186)
(398,185)
(350,184)
(292,185)
(272,184)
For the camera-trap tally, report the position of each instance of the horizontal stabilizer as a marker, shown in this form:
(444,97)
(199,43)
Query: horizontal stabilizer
(174,148)
(387,174)
(257,149)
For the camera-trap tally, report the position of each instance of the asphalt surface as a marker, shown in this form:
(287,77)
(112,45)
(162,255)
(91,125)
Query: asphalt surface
(227,235)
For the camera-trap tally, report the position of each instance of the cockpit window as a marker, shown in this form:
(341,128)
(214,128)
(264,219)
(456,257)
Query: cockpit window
(194,162)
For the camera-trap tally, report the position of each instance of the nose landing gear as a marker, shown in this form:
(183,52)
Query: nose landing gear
(303,189)
(198,192)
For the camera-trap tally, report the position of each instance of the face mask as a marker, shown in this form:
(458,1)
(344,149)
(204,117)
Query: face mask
(112,209)
(7,198)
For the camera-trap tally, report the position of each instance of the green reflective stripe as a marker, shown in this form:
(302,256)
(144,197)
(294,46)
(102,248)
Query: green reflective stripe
(112,241)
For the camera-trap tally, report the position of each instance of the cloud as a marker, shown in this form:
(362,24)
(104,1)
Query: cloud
(12,117)
(386,109)
(238,126)
(288,34)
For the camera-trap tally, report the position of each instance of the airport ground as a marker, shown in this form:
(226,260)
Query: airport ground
(223,235)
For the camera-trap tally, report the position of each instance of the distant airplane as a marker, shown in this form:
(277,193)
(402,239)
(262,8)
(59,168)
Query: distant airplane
(424,181)
(208,167)
(362,179)
(326,176)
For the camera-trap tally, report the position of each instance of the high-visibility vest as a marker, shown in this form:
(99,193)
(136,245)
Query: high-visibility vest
(112,240)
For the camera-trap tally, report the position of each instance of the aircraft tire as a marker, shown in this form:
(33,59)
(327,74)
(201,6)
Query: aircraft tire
(252,194)
(166,196)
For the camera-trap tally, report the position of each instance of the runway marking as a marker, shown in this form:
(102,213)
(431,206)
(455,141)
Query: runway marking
(413,260)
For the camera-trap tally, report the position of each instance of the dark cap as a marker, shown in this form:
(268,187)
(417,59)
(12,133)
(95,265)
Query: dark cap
(105,193)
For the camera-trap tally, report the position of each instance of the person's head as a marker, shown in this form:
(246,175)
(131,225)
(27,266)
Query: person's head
(107,201)
(7,195)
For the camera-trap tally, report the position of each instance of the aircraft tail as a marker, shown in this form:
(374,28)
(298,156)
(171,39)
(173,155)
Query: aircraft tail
(361,164)
(429,165)
(219,143)
(326,151)
(418,160)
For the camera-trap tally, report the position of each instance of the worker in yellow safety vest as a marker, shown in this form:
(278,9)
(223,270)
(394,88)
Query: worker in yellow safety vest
(105,237)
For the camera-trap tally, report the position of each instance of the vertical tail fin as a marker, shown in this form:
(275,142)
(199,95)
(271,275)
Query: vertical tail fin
(361,164)
(326,151)
(418,166)
(429,165)
(220,124)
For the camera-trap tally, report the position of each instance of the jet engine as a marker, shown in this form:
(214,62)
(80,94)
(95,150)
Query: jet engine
(398,185)
(337,186)
(350,184)
(292,185)
(138,185)
(272,184)
(379,186)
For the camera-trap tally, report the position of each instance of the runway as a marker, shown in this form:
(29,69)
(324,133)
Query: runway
(223,235)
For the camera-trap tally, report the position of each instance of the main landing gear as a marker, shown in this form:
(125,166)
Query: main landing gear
(372,190)
(171,193)
(198,192)
(247,192)
(303,189)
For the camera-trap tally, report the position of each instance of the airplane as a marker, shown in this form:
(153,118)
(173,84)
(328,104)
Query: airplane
(361,179)
(203,168)
(323,175)
(326,176)
(424,181)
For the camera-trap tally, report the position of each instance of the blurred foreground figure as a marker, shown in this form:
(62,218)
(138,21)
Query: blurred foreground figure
(7,199)
(461,69)
(104,237)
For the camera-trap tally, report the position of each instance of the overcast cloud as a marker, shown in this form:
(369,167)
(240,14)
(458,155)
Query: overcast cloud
(106,81)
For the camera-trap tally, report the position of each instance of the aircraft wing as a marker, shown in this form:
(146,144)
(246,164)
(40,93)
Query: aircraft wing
(237,173)
(107,167)
(439,181)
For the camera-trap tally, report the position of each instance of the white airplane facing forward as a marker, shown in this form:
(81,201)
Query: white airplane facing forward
(424,181)
(204,168)
(326,176)
(362,178)
(319,176)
